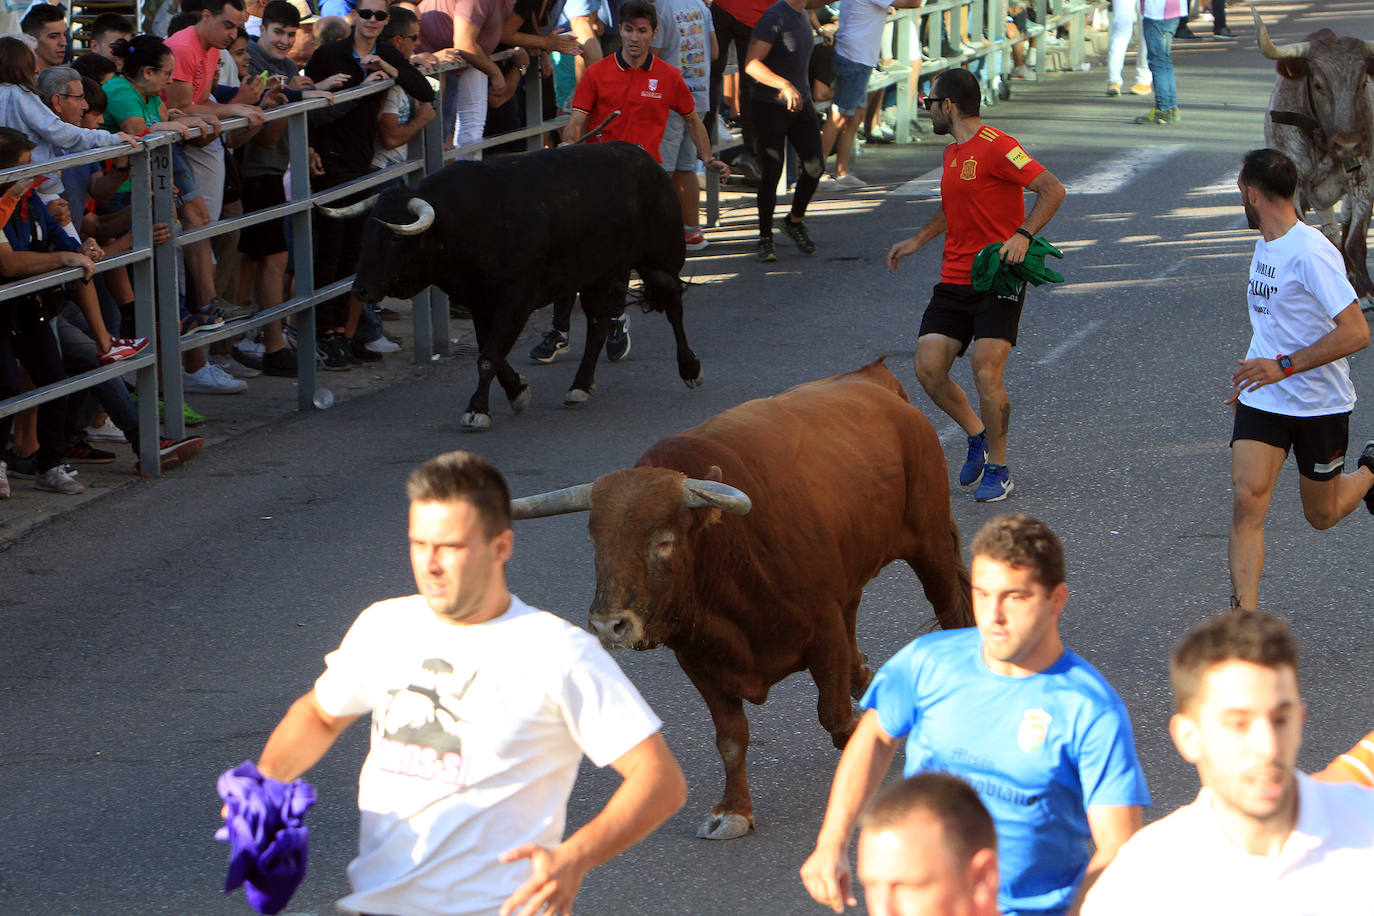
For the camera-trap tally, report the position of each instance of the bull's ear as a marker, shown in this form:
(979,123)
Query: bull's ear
(1292,68)
(714,474)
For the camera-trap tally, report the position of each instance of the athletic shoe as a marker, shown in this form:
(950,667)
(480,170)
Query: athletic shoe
(4,482)
(972,471)
(27,468)
(179,451)
(361,353)
(244,360)
(848,182)
(1367,461)
(996,485)
(1113,90)
(554,343)
(618,341)
(387,314)
(105,432)
(250,347)
(767,250)
(1020,73)
(211,379)
(195,323)
(189,414)
(122,348)
(1142,89)
(1183,33)
(1223,34)
(280,363)
(382,345)
(228,311)
(333,353)
(797,233)
(56,480)
(85,453)
(694,239)
(1156,116)
(882,134)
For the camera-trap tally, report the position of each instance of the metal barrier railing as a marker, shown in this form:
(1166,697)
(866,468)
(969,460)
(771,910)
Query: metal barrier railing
(155,276)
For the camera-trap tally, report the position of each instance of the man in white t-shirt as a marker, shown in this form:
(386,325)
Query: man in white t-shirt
(1261,837)
(482,708)
(1293,388)
(687,40)
(858,47)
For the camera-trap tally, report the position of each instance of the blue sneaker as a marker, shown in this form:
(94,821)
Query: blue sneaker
(996,484)
(977,458)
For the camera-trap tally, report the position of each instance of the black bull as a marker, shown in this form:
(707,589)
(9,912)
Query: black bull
(508,236)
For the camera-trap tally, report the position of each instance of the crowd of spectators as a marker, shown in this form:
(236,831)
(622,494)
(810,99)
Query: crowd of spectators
(206,61)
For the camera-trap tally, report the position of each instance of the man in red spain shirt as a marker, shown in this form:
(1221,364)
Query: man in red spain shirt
(636,83)
(982,201)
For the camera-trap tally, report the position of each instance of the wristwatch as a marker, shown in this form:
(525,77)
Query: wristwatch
(1285,364)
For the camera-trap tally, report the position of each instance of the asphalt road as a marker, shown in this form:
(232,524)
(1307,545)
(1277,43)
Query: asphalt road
(154,636)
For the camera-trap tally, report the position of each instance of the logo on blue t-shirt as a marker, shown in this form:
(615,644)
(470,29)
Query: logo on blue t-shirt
(1035,726)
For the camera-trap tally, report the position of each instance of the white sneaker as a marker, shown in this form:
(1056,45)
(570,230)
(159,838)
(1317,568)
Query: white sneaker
(382,345)
(58,481)
(105,432)
(235,369)
(211,379)
(250,347)
(848,182)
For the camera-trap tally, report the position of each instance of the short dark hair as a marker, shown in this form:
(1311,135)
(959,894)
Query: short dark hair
(95,95)
(1240,636)
(1017,539)
(217,6)
(398,23)
(12,145)
(961,88)
(39,16)
(282,13)
(638,9)
(110,22)
(455,476)
(963,819)
(1270,172)
(182,21)
(96,66)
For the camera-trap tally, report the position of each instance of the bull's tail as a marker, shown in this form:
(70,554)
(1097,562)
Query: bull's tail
(961,613)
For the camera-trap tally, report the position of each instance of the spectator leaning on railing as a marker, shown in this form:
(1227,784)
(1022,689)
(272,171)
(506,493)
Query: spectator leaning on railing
(34,244)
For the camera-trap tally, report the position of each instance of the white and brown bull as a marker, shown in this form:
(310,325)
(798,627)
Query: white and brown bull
(1322,117)
(744,545)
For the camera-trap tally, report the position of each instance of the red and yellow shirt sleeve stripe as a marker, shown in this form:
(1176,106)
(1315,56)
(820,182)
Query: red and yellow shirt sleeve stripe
(1355,765)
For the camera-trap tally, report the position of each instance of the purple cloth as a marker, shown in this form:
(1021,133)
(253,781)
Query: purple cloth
(267,836)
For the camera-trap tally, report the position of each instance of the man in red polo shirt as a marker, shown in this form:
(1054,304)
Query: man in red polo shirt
(982,201)
(643,88)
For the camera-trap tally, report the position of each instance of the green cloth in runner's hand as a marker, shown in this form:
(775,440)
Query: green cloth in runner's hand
(991,272)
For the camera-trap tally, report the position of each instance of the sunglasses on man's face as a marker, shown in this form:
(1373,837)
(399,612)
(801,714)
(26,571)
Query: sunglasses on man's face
(379,15)
(931,100)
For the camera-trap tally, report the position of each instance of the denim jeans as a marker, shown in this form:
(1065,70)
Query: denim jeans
(1158,35)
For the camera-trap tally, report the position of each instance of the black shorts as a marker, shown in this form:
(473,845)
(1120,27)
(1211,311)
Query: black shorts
(1318,443)
(964,313)
(259,193)
(822,64)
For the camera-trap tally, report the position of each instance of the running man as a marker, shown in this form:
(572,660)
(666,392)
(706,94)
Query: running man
(981,202)
(1293,388)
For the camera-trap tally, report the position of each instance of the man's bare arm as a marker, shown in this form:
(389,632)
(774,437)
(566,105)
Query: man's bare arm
(585,32)
(865,761)
(652,790)
(465,43)
(1350,335)
(1049,194)
(301,739)
(1111,826)
(931,230)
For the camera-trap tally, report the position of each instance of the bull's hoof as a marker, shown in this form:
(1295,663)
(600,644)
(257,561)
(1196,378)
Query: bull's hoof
(576,396)
(699,380)
(521,400)
(475,422)
(726,827)
(1367,302)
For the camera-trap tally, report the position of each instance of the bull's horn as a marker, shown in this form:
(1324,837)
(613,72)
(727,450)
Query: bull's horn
(424,218)
(711,494)
(1302,49)
(556,502)
(350,211)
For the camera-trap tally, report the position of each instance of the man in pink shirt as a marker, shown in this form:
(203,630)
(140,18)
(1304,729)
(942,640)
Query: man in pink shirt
(472,28)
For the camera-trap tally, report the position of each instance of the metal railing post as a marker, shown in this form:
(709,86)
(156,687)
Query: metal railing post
(302,259)
(145,320)
(534,105)
(168,296)
(902,30)
(431,326)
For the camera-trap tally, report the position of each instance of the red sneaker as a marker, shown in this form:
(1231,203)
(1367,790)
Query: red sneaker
(122,348)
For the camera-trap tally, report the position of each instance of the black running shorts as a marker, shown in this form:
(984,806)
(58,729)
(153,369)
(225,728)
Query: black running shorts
(259,193)
(963,313)
(1318,443)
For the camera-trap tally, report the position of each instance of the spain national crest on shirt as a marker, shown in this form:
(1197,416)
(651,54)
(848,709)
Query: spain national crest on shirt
(1018,157)
(970,170)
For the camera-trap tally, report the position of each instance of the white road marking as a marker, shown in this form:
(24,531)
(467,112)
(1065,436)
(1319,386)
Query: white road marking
(1068,344)
(926,185)
(1114,175)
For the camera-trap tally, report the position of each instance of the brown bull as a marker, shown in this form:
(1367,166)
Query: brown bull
(1322,117)
(744,545)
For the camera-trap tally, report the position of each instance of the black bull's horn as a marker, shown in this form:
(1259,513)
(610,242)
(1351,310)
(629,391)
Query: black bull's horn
(419,208)
(696,494)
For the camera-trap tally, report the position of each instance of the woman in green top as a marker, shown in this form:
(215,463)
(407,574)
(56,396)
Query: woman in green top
(134,98)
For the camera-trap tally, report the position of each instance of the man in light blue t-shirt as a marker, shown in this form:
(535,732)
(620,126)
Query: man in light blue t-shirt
(1035,729)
